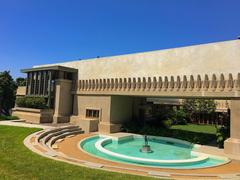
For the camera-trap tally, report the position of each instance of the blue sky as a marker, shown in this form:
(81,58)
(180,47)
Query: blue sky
(48,31)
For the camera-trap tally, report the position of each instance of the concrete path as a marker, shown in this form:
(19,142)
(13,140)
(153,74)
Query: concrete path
(21,123)
(216,151)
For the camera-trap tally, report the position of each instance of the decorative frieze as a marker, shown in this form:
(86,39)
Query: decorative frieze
(185,84)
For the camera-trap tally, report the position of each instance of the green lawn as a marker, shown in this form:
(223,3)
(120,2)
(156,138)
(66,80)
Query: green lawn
(208,129)
(18,162)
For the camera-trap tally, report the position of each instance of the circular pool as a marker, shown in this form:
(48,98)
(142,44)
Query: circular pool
(166,152)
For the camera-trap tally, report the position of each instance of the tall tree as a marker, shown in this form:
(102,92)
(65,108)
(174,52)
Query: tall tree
(7,92)
(21,81)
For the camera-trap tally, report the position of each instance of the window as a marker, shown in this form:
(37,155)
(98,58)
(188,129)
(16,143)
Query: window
(92,113)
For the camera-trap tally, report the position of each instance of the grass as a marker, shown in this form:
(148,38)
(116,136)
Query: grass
(207,129)
(18,162)
(4,117)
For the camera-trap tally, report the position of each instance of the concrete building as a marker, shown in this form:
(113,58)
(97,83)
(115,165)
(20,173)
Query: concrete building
(100,94)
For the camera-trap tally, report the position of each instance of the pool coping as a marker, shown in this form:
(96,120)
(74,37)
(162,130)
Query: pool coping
(99,146)
(178,140)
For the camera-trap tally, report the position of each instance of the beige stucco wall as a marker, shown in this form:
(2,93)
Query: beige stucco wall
(220,57)
(232,145)
(21,91)
(121,109)
(35,116)
(92,102)
(114,110)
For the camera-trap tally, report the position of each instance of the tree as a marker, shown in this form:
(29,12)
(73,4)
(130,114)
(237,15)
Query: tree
(21,81)
(194,106)
(7,92)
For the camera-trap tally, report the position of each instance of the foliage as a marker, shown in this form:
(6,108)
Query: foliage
(4,117)
(21,81)
(7,92)
(32,102)
(18,162)
(179,116)
(167,123)
(193,106)
(165,114)
(162,118)
(223,132)
(188,134)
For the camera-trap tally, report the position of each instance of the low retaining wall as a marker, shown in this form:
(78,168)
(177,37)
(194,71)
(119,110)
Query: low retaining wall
(34,115)
(87,124)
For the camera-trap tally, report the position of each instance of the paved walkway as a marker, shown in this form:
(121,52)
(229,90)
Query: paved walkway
(216,151)
(21,123)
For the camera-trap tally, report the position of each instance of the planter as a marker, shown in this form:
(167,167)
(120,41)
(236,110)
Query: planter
(35,116)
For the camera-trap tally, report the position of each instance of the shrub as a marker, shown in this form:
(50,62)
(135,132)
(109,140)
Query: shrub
(3,117)
(167,123)
(222,134)
(31,102)
(179,117)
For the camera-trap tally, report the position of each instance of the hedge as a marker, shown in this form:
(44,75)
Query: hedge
(32,102)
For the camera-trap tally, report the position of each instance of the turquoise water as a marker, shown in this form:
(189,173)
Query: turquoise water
(162,150)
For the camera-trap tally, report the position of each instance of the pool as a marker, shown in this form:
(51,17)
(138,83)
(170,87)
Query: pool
(166,152)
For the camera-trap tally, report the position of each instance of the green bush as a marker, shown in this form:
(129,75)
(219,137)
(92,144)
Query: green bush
(3,117)
(31,102)
(221,135)
(167,123)
(179,117)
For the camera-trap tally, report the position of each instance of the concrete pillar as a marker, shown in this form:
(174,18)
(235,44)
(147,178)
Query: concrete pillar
(27,83)
(35,83)
(49,88)
(121,111)
(44,82)
(232,145)
(63,101)
(30,80)
(39,82)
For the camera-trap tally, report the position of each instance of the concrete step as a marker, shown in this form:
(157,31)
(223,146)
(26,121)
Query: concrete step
(55,138)
(49,136)
(42,135)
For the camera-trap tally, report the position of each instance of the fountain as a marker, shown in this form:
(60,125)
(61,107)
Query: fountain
(134,149)
(146,148)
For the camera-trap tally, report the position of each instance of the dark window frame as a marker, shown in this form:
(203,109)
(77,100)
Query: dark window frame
(92,113)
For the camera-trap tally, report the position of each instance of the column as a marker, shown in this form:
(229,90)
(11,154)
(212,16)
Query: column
(35,83)
(39,82)
(232,145)
(119,111)
(44,82)
(30,83)
(49,88)
(27,83)
(63,101)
